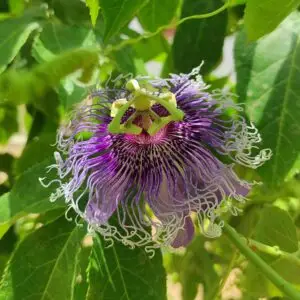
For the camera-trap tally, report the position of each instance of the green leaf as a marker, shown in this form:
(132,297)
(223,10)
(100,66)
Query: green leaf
(262,17)
(232,3)
(8,122)
(94,7)
(71,12)
(14,33)
(23,87)
(117,13)
(157,13)
(267,81)
(28,195)
(255,285)
(119,272)
(70,93)
(148,49)
(125,60)
(43,265)
(276,228)
(199,40)
(81,285)
(35,152)
(57,38)
(4,214)
(17,6)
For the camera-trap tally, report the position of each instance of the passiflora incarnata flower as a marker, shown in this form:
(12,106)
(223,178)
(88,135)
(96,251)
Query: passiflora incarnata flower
(152,158)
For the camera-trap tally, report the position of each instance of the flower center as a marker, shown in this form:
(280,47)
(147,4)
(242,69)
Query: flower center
(143,100)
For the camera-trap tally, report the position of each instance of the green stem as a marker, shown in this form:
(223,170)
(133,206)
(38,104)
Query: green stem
(147,35)
(275,278)
(272,250)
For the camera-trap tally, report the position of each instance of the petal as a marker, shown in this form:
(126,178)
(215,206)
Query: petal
(185,234)
(99,211)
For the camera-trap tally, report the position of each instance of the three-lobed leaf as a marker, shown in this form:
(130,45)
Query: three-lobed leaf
(267,82)
(262,17)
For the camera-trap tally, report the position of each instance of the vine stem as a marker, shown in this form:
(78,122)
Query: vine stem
(275,278)
(146,35)
(273,251)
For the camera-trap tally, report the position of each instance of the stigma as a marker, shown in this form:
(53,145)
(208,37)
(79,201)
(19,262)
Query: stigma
(142,100)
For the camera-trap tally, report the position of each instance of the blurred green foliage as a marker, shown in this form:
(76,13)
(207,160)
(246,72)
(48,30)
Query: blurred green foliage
(54,52)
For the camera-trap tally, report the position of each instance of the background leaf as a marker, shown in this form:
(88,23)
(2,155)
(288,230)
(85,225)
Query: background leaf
(117,13)
(276,228)
(8,121)
(157,13)
(268,73)
(28,195)
(119,272)
(57,38)
(199,40)
(94,7)
(13,35)
(4,214)
(46,271)
(261,17)
(73,12)
(16,6)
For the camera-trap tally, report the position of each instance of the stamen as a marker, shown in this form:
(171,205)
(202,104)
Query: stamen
(142,100)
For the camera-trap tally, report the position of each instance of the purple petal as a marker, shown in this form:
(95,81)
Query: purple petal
(185,234)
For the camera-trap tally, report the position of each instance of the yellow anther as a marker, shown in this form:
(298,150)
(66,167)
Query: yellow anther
(132,85)
(116,106)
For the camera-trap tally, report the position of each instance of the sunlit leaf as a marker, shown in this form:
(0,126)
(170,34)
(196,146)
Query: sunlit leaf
(268,73)
(262,17)
(4,214)
(94,7)
(16,6)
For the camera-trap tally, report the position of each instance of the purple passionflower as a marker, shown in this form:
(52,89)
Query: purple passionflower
(153,158)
